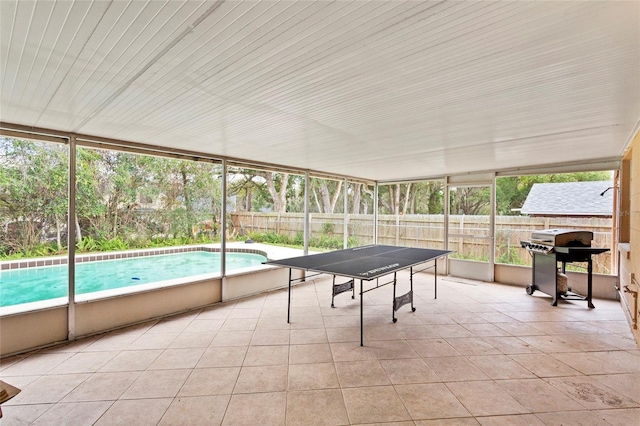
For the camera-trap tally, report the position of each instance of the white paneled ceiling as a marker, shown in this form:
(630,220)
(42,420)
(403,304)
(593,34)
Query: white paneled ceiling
(382,90)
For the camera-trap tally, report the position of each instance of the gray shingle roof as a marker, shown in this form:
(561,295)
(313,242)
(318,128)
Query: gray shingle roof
(570,199)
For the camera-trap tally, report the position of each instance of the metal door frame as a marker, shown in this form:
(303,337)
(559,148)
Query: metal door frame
(475,181)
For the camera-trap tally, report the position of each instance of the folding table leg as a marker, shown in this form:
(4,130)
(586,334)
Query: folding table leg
(361,315)
(435,278)
(589,283)
(333,291)
(413,309)
(289,301)
(393,305)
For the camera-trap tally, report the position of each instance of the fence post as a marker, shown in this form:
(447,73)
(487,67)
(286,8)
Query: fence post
(461,239)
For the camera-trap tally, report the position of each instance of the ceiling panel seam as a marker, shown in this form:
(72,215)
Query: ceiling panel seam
(36,92)
(192,99)
(10,42)
(122,52)
(60,84)
(166,71)
(149,64)
(35,56)
(177,83)
(22,53)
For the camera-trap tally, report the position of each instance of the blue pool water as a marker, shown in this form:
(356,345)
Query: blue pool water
(48,282)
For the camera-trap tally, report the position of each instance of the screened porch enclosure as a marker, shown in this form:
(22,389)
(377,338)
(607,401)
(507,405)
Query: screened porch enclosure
(308,126)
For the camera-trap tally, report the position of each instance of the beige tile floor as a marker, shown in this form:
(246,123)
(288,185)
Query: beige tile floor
(482,353)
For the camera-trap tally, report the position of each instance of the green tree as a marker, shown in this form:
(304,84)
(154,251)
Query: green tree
(88,197)
(190,194)
(33,194)
(423,197)
(250,190)
(470,201)
(135,198)
(257,190)
(325,194)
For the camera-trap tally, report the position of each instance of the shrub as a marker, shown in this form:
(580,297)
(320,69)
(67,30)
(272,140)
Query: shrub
(510,256)
(114,244)
(327,228)
(86,244)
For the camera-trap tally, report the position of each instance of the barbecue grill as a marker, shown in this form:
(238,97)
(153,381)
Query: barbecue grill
(550,247)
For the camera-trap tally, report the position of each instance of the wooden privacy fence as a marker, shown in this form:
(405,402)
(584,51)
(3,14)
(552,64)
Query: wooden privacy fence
(428,231)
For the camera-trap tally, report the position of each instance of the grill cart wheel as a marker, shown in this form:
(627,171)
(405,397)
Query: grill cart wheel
(530,290)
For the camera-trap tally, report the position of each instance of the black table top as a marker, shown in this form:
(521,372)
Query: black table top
(365,263)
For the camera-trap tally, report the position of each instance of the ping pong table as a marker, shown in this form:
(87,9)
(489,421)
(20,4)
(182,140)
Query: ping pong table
(366,263)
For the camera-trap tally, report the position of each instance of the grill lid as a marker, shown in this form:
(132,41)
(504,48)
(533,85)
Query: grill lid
(562,237)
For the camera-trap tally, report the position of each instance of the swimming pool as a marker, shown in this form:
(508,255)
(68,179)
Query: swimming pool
(27,285)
